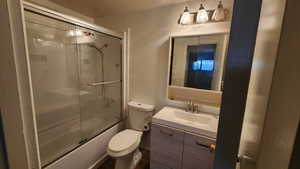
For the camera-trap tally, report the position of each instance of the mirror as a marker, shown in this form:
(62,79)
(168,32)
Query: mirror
(198,61)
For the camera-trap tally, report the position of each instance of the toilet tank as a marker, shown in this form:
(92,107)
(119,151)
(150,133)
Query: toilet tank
(139,115)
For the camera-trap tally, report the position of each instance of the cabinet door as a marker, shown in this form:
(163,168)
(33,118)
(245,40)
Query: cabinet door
(197,152)
(155,165)
(166,147)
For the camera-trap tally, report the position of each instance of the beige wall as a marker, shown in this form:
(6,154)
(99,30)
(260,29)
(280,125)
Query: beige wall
(149,46)
(283,110)
(15,102)
(261,76)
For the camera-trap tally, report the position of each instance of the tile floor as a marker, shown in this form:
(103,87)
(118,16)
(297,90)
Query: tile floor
(143,164)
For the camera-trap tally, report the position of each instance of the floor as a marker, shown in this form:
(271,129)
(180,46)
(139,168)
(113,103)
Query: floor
(143,164)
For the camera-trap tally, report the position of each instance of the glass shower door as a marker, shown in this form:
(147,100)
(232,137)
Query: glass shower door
(76,81)
(54,74)
(100,81)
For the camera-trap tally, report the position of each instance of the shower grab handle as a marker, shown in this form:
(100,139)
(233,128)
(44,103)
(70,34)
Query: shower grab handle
(104,83)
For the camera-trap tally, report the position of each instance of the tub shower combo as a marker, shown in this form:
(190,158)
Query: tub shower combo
(76,77)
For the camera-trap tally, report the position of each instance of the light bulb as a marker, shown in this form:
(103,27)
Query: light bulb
(186,18)
(202,15)
(219,13)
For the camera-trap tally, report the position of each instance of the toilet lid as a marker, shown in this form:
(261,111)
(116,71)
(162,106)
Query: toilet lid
(125,140)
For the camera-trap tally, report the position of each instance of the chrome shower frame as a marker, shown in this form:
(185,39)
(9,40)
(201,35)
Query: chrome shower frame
(123,36)
(69,19)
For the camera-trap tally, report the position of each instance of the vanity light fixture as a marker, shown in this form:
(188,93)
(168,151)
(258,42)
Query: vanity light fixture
(219,13)
(202,15)
(186,17)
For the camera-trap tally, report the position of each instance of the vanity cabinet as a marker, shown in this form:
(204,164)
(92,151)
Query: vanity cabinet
(178,149)
(166,147)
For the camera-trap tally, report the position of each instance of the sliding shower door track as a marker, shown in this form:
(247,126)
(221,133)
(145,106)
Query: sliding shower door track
(69,19)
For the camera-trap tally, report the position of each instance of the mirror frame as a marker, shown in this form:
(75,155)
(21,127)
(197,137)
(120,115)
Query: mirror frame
(209,97)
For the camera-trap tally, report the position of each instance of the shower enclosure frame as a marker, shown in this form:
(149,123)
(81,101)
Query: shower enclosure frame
(27,6)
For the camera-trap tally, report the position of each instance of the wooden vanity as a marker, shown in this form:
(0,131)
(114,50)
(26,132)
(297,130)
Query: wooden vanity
(173,148)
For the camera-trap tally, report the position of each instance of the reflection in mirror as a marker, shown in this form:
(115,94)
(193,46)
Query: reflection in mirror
(198,61)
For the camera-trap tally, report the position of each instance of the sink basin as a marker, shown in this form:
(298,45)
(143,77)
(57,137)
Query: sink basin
(200,123)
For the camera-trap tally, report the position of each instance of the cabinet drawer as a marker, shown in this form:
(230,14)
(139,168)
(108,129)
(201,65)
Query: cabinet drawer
(198,142)
(155,165)
(164,139)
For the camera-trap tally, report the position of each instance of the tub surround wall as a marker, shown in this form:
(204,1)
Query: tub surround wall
(149,47)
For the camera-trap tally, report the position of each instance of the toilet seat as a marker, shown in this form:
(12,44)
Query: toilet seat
(124,143)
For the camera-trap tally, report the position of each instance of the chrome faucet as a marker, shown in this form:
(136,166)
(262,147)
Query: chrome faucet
(188,106)
(192,107)
(195,108)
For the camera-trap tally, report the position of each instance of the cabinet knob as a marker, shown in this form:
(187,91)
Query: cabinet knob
(212,148)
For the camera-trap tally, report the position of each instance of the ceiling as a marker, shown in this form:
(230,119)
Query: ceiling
(101,8)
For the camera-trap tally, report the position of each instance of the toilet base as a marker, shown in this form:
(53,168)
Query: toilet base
(129,161)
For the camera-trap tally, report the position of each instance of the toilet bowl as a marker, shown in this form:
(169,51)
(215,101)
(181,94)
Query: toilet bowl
(124,146)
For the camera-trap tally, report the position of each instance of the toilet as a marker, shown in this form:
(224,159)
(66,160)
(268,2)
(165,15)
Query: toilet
(124,146)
